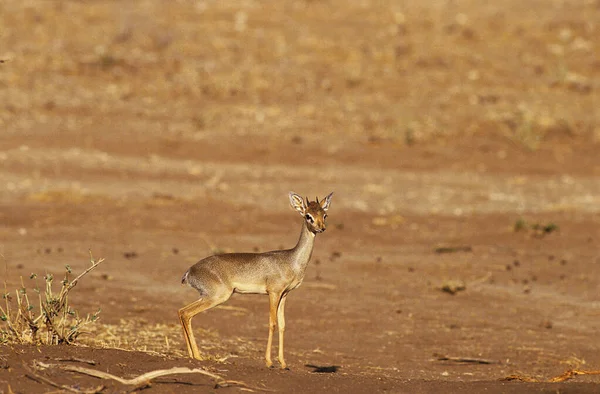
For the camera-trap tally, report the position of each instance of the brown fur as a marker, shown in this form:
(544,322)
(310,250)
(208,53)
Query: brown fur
(274,273)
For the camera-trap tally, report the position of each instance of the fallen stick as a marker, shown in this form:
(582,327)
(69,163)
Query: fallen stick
(75,359)
(567,375)
(453,249)
(247,387)
(571,373)
(440,357)
(42,379)
(144,378)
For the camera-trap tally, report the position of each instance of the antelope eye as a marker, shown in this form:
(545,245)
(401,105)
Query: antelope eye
(309,218)
(325,216)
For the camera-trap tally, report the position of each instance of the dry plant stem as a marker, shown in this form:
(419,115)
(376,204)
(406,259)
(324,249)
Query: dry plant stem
(74,281)
(571,373)
(6,312)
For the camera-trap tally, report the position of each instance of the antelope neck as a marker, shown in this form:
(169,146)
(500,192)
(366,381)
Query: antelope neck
(303,249)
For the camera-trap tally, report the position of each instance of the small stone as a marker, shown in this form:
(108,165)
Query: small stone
(547,324)
(453,286)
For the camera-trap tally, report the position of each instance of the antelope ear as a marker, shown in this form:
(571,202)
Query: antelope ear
(326,202)
(297,203)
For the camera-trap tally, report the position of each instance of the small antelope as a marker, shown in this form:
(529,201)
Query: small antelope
(274,273)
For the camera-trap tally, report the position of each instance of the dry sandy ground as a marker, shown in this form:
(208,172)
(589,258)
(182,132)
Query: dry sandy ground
(156,133)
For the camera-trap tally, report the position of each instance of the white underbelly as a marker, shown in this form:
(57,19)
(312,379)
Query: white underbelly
(248,288)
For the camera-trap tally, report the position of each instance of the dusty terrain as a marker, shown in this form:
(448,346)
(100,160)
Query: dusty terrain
(156,133)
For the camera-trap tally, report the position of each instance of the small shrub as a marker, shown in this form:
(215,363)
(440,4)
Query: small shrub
(537,229)
(520,224)
(542,229)
(50,320)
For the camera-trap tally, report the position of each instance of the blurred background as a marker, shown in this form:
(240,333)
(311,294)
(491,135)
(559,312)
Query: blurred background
(201,91)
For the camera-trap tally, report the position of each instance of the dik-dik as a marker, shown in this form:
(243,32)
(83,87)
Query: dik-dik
(273,273)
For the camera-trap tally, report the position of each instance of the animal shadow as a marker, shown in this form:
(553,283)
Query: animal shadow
(323,368)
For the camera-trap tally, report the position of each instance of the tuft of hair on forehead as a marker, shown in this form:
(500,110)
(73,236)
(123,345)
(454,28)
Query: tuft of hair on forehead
(314,205)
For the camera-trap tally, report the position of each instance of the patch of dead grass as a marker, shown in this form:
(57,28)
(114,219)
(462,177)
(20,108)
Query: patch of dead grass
(51,320)
(163,339)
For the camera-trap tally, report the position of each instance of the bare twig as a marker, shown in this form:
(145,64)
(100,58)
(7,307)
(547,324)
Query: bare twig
(227,383)
(42,379)
(474,360)
(65,290)
(453,249)
(75,359)
(567,375)
(145,379)
(571,373)
(142,379)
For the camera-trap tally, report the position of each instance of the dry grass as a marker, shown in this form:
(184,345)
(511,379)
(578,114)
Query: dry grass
(139,335)
(165,340)
(50,320)
(397,72)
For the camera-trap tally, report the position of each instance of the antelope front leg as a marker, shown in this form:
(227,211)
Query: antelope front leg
(273,302)
(281,326)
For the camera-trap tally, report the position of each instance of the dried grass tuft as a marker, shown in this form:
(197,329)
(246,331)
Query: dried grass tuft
(53,322)
(165,340)
(139,335)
